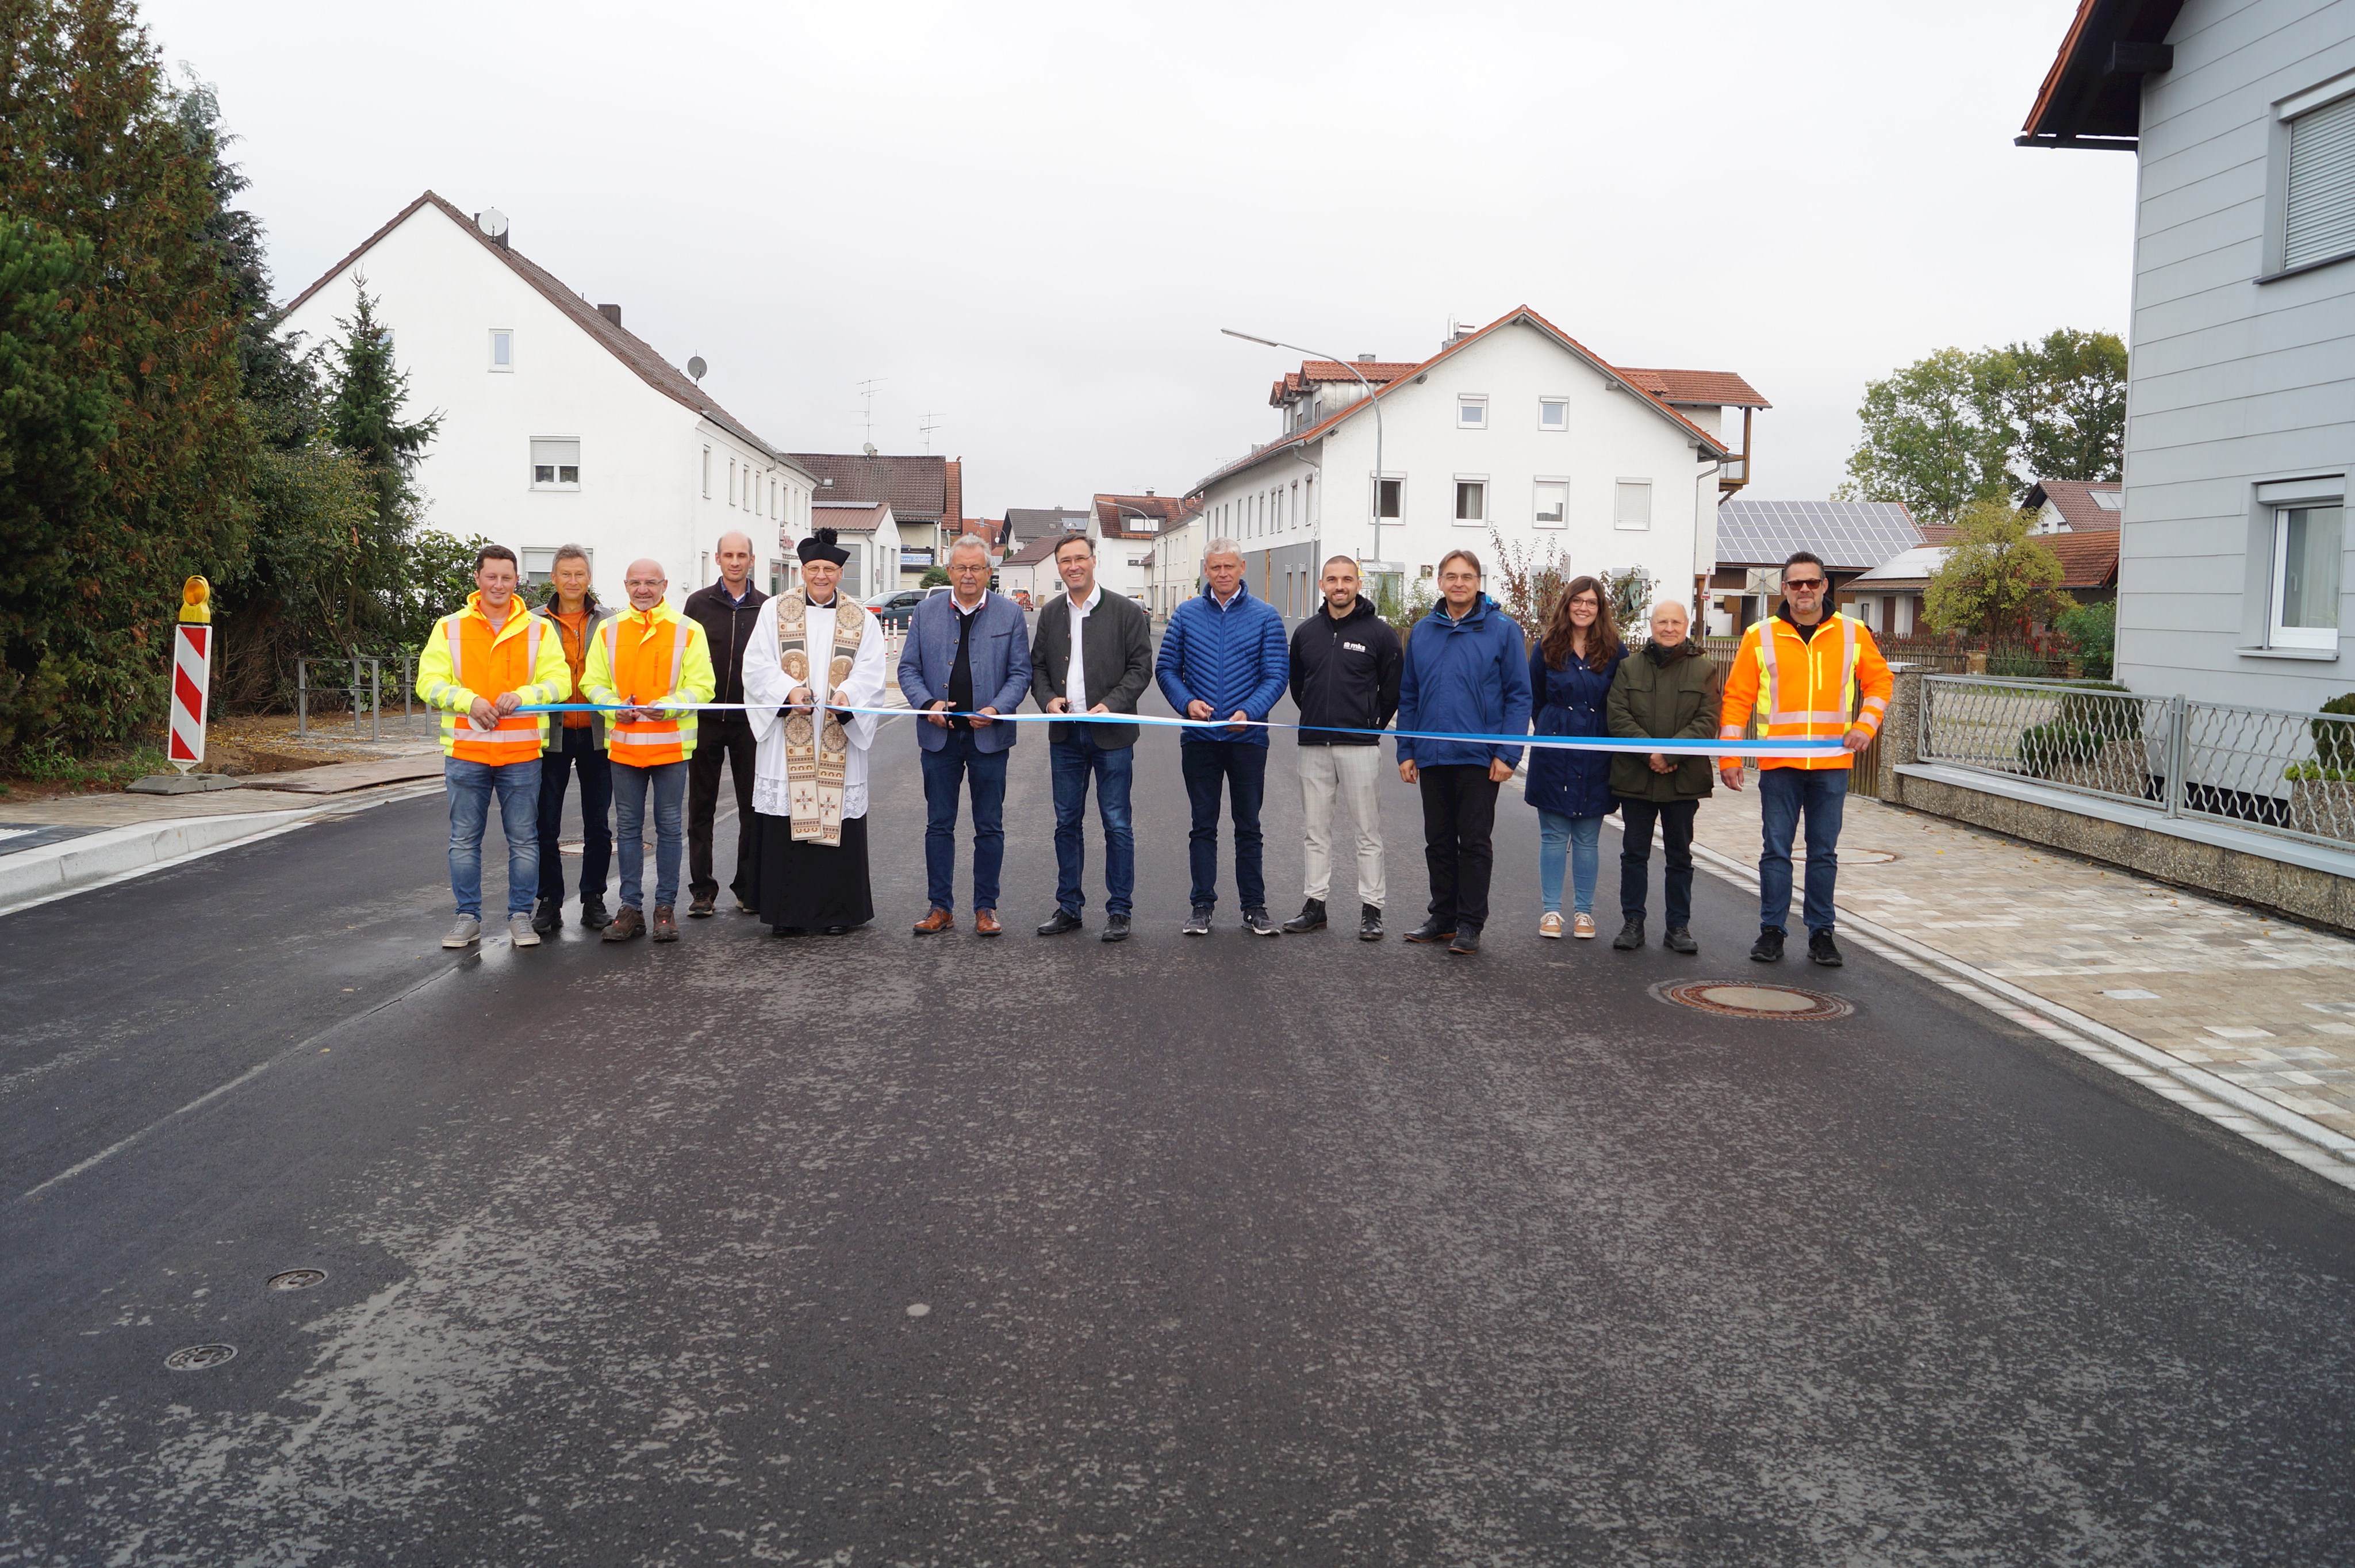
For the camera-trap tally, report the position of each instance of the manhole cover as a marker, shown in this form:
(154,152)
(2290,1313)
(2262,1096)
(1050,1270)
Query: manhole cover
(1867,856)
(297,1279)
(1737,1000)
(196,1358)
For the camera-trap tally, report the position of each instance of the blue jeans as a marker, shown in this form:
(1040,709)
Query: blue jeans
(1578,841)
(957,765)
(1784,794)
(1241,766)
(669,781)
(576,750)
(1073,760)
(470,787)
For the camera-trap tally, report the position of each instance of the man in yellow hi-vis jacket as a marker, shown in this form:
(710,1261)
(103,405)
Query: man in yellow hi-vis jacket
(479,666)
(648,661)
(1809,668)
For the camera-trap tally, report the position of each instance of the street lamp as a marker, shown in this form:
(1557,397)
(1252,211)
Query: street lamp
(1370,398)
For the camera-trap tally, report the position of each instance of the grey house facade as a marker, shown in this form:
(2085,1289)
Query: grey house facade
(2234,577)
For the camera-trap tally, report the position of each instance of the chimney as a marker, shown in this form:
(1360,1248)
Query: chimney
(1148,489)
(1365,359)
(612,312)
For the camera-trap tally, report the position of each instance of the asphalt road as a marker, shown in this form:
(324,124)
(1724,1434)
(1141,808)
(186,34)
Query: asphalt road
(1227,1251)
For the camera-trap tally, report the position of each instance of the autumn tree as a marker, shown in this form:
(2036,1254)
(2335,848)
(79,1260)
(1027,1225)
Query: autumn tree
(1998,580)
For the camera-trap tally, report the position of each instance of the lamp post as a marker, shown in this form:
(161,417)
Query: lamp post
(1370,398)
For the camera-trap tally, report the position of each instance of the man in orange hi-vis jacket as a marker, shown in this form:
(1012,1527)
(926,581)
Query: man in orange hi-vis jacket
(1811,667)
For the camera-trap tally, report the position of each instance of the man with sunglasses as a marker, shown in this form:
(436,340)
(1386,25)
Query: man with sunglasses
(1809,667)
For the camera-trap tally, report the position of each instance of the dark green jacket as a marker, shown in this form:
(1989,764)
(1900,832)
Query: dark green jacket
(1675,701)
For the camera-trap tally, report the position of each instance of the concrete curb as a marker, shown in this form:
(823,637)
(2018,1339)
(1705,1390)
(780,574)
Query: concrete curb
(53,872)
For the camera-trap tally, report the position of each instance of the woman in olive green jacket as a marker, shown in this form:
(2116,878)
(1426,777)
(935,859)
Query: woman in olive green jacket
(1667,691)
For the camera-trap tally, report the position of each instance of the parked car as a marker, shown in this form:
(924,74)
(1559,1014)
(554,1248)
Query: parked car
(893,609)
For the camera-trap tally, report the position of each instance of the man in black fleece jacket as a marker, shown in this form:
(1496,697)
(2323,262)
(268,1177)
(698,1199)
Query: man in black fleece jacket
(1344,672)
(726,610)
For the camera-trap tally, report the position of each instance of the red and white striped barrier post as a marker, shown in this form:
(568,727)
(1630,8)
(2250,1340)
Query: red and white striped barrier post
(192,671)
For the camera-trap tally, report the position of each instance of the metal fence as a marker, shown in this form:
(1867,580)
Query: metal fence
(2281,771)
(362,690)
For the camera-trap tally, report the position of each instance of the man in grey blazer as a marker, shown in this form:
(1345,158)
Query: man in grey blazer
(967,653)
(1092,652)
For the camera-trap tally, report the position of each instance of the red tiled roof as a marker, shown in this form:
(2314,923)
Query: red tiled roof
(917,486)
(1312,371)
(650,366)
(1114,523)
(1524,313)
(849,516)
(1715,389)
(2088,560)
(2073,499)
(1938,533)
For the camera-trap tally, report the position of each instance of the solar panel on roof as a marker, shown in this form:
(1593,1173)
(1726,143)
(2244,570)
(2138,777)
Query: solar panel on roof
(1849,535)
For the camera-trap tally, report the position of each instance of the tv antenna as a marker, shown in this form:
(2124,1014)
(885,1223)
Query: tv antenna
(927,423)
(866,408)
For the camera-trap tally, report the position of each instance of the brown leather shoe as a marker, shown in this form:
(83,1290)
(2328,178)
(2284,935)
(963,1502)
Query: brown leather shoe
(665,923)
(984,923)
(933,924)
(626,924)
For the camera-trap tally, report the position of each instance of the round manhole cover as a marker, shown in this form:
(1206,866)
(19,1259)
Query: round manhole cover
(1739,999)
(196,1358)
(1867,857)
(297,1279)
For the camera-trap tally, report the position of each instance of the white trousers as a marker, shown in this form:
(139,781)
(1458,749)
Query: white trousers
(1350,772)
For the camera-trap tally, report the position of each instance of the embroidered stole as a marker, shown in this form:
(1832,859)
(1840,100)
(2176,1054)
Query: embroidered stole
(816,749)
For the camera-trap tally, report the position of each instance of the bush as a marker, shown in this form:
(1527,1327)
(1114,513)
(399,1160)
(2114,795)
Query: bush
(2116,720)
(2334,744)
(2045,749)
(2092,631)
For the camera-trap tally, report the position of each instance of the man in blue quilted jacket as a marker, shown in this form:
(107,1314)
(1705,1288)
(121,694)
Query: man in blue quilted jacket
(1223,656)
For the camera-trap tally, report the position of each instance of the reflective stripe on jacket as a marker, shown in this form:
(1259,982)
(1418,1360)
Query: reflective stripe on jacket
(466,658)
(1809,684)
(641,658)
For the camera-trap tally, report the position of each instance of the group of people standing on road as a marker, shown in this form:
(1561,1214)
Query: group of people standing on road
(789,686)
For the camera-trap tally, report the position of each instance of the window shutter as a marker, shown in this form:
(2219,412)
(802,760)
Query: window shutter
(2321,219)
(1634,507)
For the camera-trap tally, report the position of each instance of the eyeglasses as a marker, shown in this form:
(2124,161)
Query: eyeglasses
(1808,582)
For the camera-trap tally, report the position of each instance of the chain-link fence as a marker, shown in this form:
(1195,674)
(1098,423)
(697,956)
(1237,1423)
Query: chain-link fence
(2287,773)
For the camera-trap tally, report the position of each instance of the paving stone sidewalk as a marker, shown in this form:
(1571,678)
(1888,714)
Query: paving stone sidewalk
(2262,1002)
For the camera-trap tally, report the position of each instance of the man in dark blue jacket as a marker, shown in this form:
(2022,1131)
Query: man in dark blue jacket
(1223,656)
(968,651)
(1466,671)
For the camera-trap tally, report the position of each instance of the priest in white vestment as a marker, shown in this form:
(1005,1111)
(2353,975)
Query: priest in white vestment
(810,649)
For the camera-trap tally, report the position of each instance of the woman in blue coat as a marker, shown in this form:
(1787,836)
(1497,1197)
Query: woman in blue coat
(1570,671)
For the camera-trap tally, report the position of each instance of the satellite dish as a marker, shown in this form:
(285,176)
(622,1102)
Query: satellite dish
(871,449)
(491,222)
(696,368)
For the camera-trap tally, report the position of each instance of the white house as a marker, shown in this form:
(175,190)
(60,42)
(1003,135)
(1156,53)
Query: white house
(557,425)
(870,534)
(1126,529)
(1031,570)
(1517,429)
(1173,570)
(2232,574)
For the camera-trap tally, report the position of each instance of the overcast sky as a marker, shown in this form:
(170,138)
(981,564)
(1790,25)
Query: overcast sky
(1031,220)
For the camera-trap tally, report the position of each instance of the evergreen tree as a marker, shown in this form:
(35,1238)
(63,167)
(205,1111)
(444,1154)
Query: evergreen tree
(364,410)
(108,210)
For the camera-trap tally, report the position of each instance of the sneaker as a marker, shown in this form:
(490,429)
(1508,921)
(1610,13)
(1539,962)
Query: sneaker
(1549,926)
(1768,948)
(1582,927)
(1679,938)
(593,913)
(1631,936)
(1433,929)
(665,923)
(1369,922)
(523,931)
(1061,920)
(1823,949)
(625,925)
(1255,921)
(1115,928)
(1310,918)
(703,906)
(465,934)
(547,915)
(1466,942)
(1198,923)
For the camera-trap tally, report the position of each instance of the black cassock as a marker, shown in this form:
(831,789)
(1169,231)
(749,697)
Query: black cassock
(812,884)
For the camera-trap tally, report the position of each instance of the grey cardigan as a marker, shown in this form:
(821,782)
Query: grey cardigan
(1119,661)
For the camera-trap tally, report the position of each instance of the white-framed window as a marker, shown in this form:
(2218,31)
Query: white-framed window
(706,473)
(731,481)
(539,565)
(1550,504)
(1471,500)
(2307,545)
(1471,410)
(502,349)
(2310,178)
(1553,414)
(854,570)
(1389,496)
(1631,506)
(555,463)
